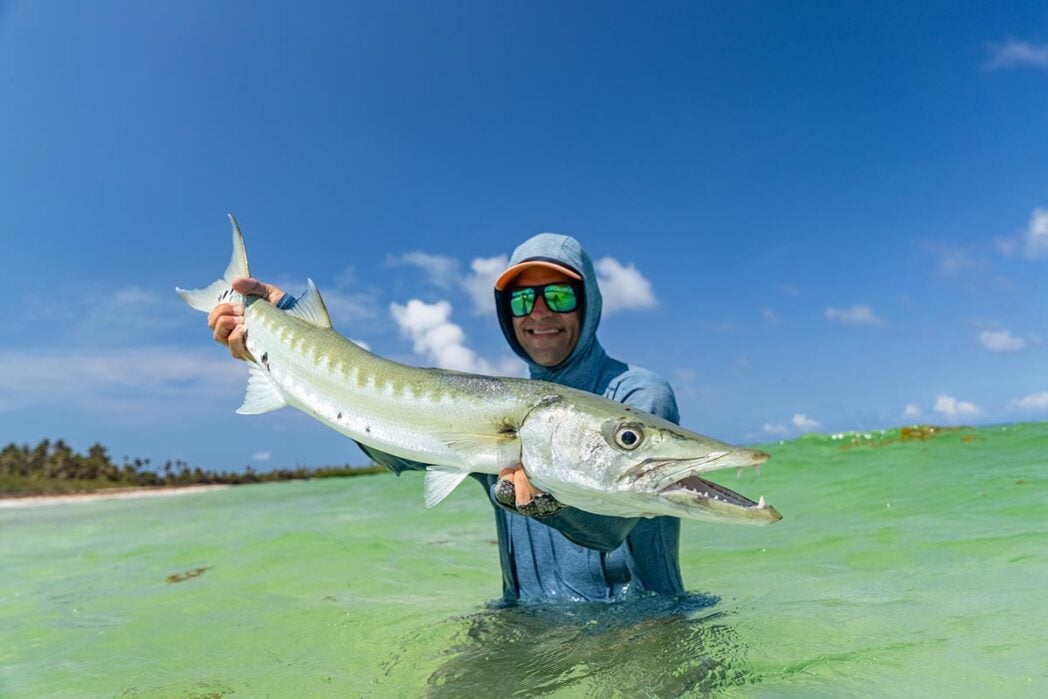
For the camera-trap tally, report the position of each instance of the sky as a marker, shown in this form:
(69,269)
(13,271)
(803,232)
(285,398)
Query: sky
(809,217)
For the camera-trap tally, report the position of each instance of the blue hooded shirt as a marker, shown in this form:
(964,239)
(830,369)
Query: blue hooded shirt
(571,555)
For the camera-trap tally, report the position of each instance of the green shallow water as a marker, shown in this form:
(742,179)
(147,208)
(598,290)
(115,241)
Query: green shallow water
(902,568)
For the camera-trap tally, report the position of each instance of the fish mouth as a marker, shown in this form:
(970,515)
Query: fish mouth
(710,491)
(676,481)
(721,503)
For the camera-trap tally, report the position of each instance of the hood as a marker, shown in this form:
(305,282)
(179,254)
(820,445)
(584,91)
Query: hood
(582,367)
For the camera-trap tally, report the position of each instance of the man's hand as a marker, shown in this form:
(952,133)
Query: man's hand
(227,319)
(513,489)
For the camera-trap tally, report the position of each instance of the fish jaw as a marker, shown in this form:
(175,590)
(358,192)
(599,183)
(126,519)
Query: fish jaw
(680,489)
(703,499)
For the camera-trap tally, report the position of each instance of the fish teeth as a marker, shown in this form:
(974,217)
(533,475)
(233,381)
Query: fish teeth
(757,468)
(738,472)
(760,503)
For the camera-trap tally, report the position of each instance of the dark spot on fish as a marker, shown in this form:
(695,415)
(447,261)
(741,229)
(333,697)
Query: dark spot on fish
(339,416)
(265,360)
(180,577)
(367,429)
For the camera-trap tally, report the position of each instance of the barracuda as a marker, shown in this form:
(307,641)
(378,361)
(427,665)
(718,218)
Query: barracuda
(587,451)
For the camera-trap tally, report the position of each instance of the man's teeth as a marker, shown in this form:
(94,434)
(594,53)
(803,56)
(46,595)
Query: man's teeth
(545,332)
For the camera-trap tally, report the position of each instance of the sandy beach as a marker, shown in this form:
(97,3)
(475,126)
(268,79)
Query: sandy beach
(114,494)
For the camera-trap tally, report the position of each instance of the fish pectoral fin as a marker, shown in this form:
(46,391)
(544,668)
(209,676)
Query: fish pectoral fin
(440,482)
(262,394)
(476,442)
(310,307)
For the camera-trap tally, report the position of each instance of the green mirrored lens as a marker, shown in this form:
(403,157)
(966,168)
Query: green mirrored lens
(521,301)
(560,297)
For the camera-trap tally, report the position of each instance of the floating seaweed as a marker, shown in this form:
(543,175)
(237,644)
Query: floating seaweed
(181,577)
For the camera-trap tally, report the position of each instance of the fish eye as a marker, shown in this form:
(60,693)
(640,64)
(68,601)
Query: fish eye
(629,437)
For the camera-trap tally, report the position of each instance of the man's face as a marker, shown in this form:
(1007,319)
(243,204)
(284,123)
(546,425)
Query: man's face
(547,337)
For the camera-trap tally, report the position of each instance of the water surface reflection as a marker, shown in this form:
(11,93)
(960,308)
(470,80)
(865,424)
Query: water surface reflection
(650,647)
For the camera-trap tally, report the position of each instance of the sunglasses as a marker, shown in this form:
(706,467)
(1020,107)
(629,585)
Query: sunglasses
(560,298)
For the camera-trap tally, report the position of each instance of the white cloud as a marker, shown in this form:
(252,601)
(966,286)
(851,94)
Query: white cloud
(1001,341)
(622,286)
(805,423)
(435,337)
(441,270)
(799,423)
(856,315)
(952,262)
(261,456)
(1012,54)
(1034,401)
(770,316)
(480,282)
(140,384)
(953,409)
(912,411)
(1035,236)
(349,310)
(686,375)
(127,314)
(1032,242)
(445,273)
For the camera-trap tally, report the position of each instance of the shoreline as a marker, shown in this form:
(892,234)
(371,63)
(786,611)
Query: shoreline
(13,501)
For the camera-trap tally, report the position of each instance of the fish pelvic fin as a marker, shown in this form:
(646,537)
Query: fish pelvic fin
(262,394)
(310,307)
(221,291)
(440,482)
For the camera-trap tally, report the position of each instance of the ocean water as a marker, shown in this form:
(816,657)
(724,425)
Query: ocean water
(907,565)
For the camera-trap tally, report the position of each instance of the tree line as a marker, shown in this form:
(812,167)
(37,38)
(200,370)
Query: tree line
(51,466)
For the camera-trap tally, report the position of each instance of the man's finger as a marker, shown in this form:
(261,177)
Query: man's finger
(237,348)
(249,286)
(524,491)
(223,327)
(222,309)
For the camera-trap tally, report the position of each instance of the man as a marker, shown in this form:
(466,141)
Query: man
(549,307)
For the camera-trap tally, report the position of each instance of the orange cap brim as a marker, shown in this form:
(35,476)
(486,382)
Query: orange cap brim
(513,272)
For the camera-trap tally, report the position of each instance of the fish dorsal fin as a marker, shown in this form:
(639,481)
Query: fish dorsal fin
(262,394)
(310,307)
(440,482)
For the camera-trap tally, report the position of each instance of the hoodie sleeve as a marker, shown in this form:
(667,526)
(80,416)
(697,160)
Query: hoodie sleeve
(599,532)
(393,463)
(646,390)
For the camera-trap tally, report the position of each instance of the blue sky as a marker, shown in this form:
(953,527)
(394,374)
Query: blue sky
(807,216)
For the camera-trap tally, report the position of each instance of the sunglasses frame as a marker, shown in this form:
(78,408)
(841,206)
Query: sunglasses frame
(540,289)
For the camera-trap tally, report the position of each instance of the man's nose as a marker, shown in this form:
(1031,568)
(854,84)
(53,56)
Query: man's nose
(541,310)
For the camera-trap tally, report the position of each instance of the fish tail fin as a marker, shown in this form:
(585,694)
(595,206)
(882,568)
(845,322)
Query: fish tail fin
(221,291)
